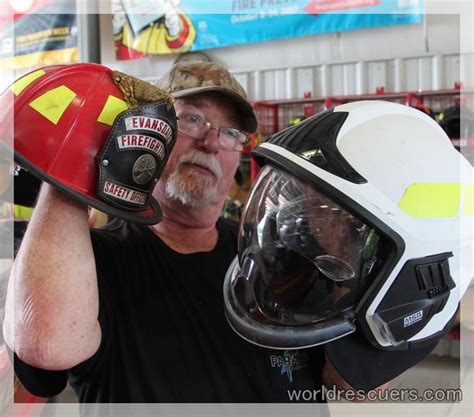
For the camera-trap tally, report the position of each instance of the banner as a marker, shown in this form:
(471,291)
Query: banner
(173,26)
(37,32)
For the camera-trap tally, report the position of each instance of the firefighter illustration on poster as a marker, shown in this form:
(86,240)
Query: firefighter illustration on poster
(151,27)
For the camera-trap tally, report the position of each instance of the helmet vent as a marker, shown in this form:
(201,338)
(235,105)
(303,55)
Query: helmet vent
(434,278)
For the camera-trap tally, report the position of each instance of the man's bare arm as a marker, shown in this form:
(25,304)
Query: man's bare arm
(52,299)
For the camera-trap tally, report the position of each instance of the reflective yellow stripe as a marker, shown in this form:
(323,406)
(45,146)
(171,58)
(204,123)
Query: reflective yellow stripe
(22,213)
(18,86)
(468,200)
(431,200)
(113,106)
(54,103)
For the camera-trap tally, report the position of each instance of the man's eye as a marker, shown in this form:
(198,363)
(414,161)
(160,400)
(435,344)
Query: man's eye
(191,118)
(234,133)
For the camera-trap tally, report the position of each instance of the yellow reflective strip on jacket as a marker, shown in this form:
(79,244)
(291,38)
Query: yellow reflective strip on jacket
(22,213)
(431,200)
(468,200)
(112,108)
(53,103)
(18,86)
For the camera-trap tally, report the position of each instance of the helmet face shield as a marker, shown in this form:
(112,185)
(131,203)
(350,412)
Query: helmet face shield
(304,260)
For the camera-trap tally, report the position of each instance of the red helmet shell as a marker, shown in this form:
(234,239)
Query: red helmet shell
(63,115)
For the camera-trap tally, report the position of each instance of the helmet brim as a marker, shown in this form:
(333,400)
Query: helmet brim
(151,215)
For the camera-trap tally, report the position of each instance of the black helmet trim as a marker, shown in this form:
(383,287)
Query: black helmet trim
(314,140)
(99,205)
(408,345)
(420,291)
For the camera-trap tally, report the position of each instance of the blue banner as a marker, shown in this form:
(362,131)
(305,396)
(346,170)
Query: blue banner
(173,26)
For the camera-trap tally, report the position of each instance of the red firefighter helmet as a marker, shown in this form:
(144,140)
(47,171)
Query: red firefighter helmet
(88,130)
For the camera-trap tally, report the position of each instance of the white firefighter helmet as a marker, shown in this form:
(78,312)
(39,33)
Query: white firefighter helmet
(361,216)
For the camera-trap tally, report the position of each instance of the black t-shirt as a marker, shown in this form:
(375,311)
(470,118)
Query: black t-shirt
(165,337)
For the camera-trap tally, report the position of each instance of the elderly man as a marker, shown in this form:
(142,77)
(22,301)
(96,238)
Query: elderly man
(133,313)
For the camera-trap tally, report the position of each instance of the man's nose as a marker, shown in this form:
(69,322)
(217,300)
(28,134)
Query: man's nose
(210,142)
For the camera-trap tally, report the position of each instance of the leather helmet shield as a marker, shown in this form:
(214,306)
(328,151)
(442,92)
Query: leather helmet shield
(135,154)
(150,215)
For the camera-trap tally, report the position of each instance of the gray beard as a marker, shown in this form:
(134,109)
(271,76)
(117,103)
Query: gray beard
(191,189)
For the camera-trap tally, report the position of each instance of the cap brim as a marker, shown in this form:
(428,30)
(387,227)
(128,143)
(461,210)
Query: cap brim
(249,118)
(151,215)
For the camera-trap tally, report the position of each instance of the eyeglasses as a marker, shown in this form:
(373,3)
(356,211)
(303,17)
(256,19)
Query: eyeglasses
(196,127)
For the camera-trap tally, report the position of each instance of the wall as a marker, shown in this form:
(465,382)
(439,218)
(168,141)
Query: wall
(410,57)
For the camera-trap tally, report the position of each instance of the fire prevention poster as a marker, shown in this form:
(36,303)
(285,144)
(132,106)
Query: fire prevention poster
(148,27)
(37,32)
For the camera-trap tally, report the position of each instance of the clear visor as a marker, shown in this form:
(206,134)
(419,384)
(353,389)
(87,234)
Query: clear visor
(303,258)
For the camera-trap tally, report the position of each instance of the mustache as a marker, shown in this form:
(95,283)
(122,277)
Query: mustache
(202,159)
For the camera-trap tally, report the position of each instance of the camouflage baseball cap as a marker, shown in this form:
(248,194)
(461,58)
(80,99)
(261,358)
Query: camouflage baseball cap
(192,77)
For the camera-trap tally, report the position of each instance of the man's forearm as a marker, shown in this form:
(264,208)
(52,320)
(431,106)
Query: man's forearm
(52,299)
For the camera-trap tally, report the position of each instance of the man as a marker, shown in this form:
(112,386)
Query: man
(133,313)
